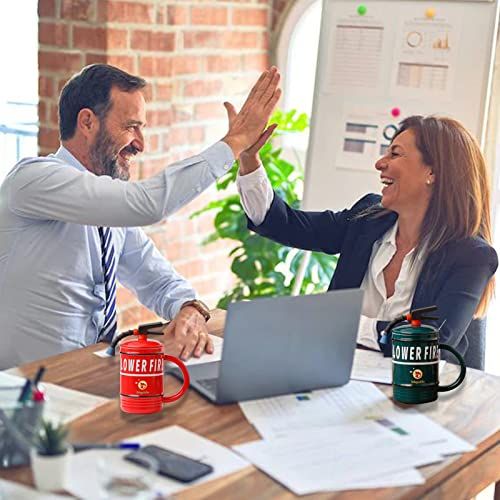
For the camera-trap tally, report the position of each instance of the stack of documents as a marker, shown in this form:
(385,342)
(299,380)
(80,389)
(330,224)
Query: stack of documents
(62,405)
(349,437)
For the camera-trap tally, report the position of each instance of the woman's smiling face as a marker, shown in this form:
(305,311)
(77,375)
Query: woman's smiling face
(407,179)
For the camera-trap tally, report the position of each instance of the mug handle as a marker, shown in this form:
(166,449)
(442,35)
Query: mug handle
(185,373)
(461,376)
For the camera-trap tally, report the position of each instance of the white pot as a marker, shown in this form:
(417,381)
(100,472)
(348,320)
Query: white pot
(50,472)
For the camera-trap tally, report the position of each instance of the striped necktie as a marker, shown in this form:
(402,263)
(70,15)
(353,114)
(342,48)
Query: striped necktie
(109,271)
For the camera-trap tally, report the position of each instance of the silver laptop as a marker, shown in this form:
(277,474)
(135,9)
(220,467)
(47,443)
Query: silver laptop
(282,345)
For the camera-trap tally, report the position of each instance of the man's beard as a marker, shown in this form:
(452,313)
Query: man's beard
(104,157)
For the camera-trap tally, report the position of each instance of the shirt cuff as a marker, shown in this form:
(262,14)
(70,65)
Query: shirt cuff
(252,179)
(219,157)
(367,332)
(176,306)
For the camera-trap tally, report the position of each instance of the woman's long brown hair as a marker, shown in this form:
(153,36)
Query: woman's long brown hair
(460,202)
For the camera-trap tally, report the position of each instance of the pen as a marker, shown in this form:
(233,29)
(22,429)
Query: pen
(38,376)
(25,391)
(105,446)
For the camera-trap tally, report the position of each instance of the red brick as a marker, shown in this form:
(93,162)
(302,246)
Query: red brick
(241,40)
(159,117)
(203,39)
(163,91)
(209,110)
(53,34)
(196,135)
(155,66)
(91,58)
(250,17)
(152,143)
(89,38)
(53,117)
(134,315)
(177,136)
(126,63)
(48,138)
(126,12)
(78,10)
(161,15)
(221,64)
(183,65)
(45,86)
(42,111)
(257,62)
(201,88)
(99,38)
(147,40)
(265,41)
(124,297)
(65,61)
(206,285)
(182,114)
(177,15)
(191,269)
(46,8)
(116,39)
(209,15)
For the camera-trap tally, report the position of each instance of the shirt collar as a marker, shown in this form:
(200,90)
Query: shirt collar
(63,154)
(389,238)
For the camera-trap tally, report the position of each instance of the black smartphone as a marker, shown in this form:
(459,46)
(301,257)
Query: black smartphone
(172,464)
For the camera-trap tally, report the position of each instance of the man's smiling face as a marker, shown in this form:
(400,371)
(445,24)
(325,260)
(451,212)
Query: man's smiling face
(120,136)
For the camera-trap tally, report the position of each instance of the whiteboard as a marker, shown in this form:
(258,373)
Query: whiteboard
(398,59)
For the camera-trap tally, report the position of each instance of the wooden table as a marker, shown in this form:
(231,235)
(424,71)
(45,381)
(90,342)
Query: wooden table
(472,412)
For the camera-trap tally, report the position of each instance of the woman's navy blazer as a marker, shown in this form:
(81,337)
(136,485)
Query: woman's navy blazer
(453,277)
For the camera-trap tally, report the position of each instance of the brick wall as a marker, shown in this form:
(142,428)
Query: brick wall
(195,54)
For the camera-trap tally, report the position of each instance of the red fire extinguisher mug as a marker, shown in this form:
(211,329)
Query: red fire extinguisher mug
(141,373)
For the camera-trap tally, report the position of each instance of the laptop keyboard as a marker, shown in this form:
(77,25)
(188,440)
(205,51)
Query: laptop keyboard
(210,384)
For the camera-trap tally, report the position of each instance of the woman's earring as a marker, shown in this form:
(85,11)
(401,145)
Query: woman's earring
(428,182)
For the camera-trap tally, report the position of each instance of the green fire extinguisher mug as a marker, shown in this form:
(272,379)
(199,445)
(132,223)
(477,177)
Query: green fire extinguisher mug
(415,360)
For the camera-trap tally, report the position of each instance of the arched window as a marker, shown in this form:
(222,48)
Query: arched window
(19,88)
(297,50)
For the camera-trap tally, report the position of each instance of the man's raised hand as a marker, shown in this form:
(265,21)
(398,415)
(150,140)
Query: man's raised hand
(249,125)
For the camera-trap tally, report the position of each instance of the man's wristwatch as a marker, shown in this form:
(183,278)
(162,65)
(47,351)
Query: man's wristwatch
(200,306)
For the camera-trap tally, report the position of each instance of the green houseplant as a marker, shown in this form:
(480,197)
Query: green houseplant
(50,457)
(264,268)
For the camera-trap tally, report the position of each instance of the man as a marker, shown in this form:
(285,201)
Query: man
(69,221)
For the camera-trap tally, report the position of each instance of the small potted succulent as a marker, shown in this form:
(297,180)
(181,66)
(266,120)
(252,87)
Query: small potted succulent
(50,457)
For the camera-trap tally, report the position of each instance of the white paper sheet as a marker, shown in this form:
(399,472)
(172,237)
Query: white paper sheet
(356,401)
(413,428)
(371,366)
(345,404)
(336,458)
(204,358)
(426,53)
(355,47)
(84,483)
(62,405)
(14,491)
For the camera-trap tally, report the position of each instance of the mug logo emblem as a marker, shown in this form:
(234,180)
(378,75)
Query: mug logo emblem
(417,374)
(142,384)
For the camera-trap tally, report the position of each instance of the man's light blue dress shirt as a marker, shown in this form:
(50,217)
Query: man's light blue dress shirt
(52,295)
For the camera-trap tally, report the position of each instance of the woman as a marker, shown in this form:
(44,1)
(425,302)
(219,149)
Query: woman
(425,241)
